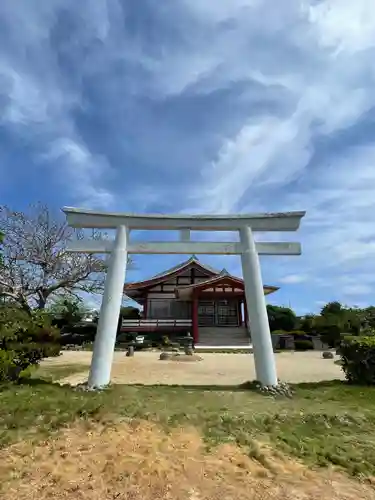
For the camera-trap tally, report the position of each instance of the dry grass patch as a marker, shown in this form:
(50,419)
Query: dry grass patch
(138,460)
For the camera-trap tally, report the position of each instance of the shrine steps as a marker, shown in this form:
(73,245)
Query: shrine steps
(227,338)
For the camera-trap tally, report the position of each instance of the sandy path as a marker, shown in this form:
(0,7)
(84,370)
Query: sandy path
(214,369)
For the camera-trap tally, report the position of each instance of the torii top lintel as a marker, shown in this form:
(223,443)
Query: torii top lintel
(283,221)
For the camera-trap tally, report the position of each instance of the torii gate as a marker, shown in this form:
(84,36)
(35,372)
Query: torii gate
(122,245)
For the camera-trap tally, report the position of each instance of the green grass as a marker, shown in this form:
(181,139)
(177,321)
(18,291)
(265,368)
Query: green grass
(57,372)
(326,423)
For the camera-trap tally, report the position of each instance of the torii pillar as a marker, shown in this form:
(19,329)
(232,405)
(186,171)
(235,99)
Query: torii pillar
(105,339)
(265,366)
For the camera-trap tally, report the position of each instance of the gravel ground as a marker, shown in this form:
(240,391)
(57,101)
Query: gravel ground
(214,369)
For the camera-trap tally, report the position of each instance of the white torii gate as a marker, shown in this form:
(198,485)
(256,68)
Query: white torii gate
(122,245)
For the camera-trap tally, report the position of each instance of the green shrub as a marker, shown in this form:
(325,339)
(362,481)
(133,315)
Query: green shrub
(358,359)
(348,337)
(367,331)
(7,366)
(299,333)
(303,345)
(279,332)
(24,340)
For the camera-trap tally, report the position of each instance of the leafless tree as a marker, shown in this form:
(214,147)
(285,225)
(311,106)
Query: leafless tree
(36,264)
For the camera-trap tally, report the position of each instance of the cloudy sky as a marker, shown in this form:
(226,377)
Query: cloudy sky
(202,106)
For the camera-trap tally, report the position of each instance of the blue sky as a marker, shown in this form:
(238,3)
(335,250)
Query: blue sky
(201,106)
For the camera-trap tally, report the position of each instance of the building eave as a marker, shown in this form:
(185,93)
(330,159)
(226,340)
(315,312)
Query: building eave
(225,278)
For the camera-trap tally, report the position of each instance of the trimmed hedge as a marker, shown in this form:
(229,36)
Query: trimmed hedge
(358,360)
(303,345)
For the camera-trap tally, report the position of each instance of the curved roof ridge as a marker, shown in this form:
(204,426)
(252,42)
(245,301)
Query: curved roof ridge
(176,268)
(224,272)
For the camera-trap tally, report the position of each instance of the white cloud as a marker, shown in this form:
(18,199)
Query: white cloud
(84,171)
(299,79)
(39,103)
(252,160)
(326,95)
(269,152)
(339,204)
(359,289)
(344,25)
(26,103)
(294,279)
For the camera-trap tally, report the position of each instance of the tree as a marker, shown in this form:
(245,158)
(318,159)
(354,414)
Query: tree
(336,319)
(308,324)
(332,308)
(369,316)
(366,318)
(281,318)
(36,265)
(67,311)
(330,327)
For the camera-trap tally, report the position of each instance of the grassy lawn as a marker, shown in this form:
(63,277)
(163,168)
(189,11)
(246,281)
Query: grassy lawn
(57,372)
(325,423)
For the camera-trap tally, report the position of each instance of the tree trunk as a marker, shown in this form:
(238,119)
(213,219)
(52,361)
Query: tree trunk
(42,299)
(25,306)
(41,303)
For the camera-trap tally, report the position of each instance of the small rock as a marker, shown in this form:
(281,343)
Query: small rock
(86,388)
(281,389)
(130,351)
(166,355)
(328,355)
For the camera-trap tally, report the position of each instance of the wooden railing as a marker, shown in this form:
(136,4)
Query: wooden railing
(155,323)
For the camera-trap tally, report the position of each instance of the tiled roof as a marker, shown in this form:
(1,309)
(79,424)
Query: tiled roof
(223,274)
(193,259)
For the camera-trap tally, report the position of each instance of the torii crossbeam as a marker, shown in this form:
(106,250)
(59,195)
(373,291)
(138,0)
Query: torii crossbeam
(245,225)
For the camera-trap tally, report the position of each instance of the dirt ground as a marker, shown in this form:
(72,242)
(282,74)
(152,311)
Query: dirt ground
(139,461)
(214,369)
